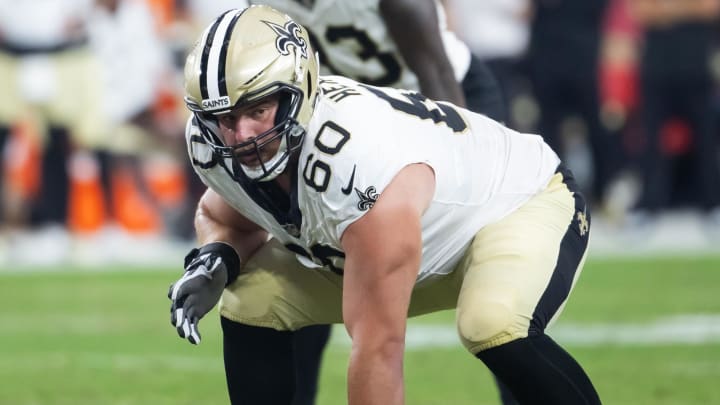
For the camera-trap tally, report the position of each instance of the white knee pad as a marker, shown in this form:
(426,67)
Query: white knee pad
(489,325)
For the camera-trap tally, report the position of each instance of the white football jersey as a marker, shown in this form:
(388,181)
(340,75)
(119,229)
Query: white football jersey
(360,137)
(353,41)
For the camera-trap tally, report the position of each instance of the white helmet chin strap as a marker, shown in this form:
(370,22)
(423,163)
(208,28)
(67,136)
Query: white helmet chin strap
(280,159)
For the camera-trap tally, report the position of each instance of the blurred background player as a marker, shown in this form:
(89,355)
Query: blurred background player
(564,72)
(138,130)
(497,32)
(676,87)
(47,103)
(389,43)
(81,81)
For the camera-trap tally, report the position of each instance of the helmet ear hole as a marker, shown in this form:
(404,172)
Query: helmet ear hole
(283,109)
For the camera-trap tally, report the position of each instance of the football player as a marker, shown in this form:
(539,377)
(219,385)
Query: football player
(381,203)
(397,43)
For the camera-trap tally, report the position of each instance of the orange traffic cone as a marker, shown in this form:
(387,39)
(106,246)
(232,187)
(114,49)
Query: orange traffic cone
(166,182)
(132,211)
(86,201)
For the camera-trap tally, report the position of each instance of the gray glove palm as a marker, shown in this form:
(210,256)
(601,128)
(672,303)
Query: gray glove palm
(207,271)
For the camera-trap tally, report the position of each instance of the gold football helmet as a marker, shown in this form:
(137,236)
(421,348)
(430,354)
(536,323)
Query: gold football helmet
(242,57)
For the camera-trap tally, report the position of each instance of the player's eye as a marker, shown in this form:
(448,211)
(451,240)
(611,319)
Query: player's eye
(226,120)
(259,112)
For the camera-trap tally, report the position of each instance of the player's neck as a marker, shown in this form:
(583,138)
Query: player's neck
(283,180)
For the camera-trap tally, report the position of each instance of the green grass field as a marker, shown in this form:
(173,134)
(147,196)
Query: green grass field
(78,337)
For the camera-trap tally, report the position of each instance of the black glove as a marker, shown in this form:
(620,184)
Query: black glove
(208,271)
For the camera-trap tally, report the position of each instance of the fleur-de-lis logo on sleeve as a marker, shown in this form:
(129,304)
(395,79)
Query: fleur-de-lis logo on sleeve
(367,198)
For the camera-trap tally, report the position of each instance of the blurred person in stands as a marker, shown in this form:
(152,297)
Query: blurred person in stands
(563,58)
(619,105)
(135,64)
(272,102)
(498,32)
(676,83)
(387,43)
(45,63)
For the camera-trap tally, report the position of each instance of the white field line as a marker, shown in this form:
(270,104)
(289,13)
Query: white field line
(687,329)
(63,361)
(676,330)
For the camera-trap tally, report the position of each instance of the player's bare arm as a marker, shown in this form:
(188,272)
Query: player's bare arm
(383,251)
(216,221)
(413,25)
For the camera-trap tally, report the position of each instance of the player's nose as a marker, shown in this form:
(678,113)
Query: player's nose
(243,129)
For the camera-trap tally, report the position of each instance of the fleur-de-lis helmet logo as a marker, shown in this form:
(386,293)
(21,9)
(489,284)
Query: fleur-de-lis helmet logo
(288,36)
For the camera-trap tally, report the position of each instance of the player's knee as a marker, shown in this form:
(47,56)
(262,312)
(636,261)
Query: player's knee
(486,326)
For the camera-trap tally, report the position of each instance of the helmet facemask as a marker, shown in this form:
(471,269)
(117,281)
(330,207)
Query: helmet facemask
(285,129)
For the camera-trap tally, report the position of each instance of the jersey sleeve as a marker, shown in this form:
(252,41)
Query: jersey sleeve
(367,153)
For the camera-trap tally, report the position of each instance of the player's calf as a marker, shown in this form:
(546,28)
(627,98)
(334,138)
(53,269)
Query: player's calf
(538,371)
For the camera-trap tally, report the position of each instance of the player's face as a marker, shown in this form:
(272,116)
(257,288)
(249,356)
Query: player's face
(245,123)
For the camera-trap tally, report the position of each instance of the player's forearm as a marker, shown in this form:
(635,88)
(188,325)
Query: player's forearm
(435,87)
(380,272)
(414,27)
(245,243)
(209,228)
(375,375)
(375,312)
